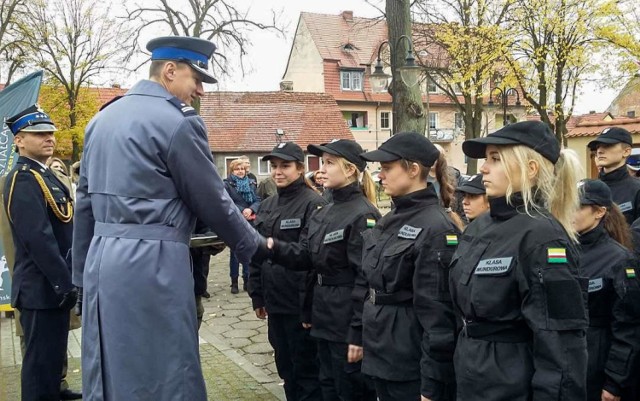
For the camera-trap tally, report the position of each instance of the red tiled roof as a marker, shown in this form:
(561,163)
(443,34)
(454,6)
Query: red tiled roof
(593,128)
(247,121)
(576,120)
(106,94)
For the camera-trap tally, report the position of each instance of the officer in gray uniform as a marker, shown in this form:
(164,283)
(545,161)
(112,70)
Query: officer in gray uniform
(147,173)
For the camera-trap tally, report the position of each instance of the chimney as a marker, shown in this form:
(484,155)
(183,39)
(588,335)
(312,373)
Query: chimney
(348,16)
(592,112)
(286,86)
(116,86)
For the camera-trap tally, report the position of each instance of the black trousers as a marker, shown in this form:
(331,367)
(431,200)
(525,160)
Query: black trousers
(397,391)
(296,357)
(339,379)
(45,335)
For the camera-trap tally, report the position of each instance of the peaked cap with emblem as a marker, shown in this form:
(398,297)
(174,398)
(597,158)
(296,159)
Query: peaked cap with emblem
(610,136)
(32,119)
(193,51)
(288,151)
(345,148)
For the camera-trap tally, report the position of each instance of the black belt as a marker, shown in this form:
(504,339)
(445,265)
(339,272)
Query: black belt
(344,278)
(505,332)
(390,298)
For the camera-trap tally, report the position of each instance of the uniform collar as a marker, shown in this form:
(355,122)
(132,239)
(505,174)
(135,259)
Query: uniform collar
(33,163)
(593,236)
(292,189)
(616,175)
(500,209)
(347,193)
(426,196)
(149,88)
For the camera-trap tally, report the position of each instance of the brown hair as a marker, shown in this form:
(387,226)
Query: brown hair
(55,159)
(616,225)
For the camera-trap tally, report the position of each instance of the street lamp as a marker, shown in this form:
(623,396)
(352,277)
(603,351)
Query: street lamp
(409,72)
(504,98)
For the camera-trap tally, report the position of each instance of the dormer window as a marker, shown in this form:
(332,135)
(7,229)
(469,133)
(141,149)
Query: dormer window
(348,47)
(351,80)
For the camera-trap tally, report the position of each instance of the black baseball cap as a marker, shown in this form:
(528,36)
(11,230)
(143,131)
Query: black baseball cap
(190,50)
(472,185)
(595,192)
(611,136)
(288,151)
(346,148)
(533,134)
(405,145)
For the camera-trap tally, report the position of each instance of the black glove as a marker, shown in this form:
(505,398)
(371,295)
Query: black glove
(213,250)
(78,307)
(69,299)
(262,253)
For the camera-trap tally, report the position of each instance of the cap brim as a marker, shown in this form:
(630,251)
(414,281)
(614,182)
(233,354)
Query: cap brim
(467,189)
(379,156)
(275,155)
(609,141)
(476,148)
(206,75)
(634,168)
(39,128)
(318,150)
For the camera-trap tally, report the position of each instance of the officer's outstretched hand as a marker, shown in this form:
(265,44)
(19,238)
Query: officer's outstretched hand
(607,396)
(69,299)
(354,354)
(423,398)
(263,252)
(78,307)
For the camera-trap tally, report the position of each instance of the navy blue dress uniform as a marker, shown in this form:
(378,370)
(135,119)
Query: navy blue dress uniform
(625,189)
(282,292)
(40,212)
(331,245)
(147,173)
(409,327)
(515,283)
(613,337)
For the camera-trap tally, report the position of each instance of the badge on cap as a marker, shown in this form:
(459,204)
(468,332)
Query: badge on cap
(556,255)
(282,145)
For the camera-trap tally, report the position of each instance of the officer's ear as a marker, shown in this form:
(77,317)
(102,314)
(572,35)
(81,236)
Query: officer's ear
(169,70)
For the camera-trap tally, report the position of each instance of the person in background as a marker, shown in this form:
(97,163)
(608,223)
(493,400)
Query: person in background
(318,181)
(279,293)
(633,163)
(58,167)
(243,192)
(247,167)
(612,148)
(408,325)
(474,197)
(266,188)
(613,337)
(515,278)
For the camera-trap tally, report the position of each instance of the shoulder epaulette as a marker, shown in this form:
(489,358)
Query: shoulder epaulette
(109,102)
(183,107)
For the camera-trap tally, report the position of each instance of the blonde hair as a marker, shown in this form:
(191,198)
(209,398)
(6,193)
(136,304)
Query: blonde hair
(234,163)
(55,159)
(554,188)
(363,177)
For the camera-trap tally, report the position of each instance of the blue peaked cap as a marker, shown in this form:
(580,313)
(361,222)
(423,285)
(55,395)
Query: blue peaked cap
(32,119)
(193,51)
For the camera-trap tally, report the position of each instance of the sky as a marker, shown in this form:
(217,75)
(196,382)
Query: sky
(267,57)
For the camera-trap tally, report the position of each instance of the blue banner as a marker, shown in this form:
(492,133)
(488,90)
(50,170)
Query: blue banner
(13,99)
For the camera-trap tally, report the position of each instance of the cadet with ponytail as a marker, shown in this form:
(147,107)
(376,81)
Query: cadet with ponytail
(515,279)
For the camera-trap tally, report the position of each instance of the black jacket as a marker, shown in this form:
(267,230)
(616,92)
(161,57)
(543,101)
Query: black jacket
(42,272)
(332,245)
(515,281)
(240,202)
(408,320)
(283,216)
(613,338)
(625,191)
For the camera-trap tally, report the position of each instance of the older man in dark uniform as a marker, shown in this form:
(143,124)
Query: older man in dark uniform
(146,174)
(40,213)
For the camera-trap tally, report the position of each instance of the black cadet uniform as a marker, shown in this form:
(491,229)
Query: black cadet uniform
(613,337)
(40,213)
(625,189)
(282,292)
(514,281)
(408,322)
(332,245)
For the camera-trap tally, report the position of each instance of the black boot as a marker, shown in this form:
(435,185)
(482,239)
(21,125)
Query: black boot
(245,282)
(234,285)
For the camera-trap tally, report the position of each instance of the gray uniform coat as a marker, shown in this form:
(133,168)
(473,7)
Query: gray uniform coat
(146,174)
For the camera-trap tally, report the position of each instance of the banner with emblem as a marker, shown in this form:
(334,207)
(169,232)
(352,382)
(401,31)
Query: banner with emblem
(13,99)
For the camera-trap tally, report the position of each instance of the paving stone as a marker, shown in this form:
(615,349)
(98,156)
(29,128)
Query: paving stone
(222,320)
(231,313)
(238,342)
(261,360)
(240,333)
(251,324)
(260,338)
(259,348)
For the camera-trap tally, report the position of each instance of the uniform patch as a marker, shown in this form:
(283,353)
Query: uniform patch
(334,236)
(452,239)
(625,207)
(289,224)
(371,223)
(556,255)
(631,273)
(493,266)
(409,232)
(183,107)
(595,284)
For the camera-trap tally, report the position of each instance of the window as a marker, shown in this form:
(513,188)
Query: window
(355,119)
(264,167)
(385,120)
(313,162)
(351,80)
(631,114)
(431,86)
(459,121)
(433,120)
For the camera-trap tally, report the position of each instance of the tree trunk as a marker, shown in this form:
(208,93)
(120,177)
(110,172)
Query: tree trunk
(73,121)
(407,106)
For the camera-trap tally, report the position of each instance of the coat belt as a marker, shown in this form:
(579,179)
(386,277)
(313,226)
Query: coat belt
(141,231)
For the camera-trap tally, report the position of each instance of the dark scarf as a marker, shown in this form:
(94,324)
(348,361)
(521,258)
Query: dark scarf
(243,187)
